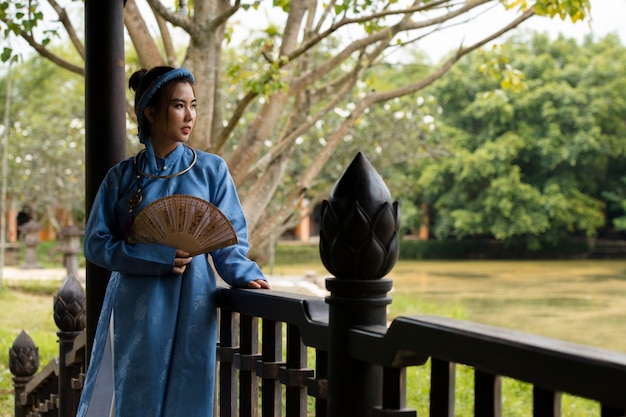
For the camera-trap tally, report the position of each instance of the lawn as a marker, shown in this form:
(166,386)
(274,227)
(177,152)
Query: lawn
(576,301)
(30,310)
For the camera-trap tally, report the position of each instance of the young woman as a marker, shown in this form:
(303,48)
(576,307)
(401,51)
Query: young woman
(155,345)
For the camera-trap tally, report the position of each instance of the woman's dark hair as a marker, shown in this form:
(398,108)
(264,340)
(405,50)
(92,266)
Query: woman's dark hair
(141,80)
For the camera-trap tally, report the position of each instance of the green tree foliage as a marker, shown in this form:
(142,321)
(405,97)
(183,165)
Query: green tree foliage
(279,104)
(616,205)
(536,162)
(47,141)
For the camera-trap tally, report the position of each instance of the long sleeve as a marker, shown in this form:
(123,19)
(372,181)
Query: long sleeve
(104,241)
(231,262)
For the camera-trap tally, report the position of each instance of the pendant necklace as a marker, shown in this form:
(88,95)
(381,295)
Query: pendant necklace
(137,196)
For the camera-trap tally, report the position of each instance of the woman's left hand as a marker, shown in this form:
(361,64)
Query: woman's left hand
(181,261)
(258,284)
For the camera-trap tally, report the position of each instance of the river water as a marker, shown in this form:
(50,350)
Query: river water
(578,301)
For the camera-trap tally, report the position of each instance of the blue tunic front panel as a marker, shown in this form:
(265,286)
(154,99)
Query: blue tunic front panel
(164,338)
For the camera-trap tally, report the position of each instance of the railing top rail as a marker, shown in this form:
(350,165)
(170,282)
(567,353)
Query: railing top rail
(51,370)
(308,313)
(545,362)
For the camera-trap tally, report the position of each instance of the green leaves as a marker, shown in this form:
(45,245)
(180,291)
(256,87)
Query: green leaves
(22,17)
(497,68)
(576,10)
(6,54)
(536,163)
(46,138)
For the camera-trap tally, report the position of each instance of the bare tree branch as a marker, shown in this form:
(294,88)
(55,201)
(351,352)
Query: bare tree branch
(69,28)
(46,53)
(147,51)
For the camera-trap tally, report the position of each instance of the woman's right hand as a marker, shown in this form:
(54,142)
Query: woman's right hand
(181,261)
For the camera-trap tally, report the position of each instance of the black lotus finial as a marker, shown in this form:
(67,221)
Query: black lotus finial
(23,356)
(69,306)
(359,225)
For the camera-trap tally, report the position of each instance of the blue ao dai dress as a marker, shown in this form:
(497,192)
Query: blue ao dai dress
(155,345)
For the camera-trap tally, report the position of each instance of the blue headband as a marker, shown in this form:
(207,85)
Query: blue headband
(152,90)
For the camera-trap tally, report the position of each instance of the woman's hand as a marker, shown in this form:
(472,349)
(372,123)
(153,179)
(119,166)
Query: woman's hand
(181,261)
(258,284)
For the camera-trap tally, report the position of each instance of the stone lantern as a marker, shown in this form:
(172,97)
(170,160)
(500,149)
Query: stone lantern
(30,234)
(70,248)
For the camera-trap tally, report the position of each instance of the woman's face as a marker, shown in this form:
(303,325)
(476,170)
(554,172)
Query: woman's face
(175,123)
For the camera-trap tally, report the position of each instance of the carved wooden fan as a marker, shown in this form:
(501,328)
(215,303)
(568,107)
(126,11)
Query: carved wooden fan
(183,222)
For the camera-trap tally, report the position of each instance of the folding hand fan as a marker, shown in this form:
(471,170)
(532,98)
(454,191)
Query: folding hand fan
(183,222)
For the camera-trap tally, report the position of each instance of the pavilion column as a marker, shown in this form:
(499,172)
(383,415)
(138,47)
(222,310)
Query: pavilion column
(105,118)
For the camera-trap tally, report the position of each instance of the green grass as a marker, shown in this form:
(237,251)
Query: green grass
(516,395)
(29,309)
(29,306)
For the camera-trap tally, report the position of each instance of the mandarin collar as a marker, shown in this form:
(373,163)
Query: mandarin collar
(161,166)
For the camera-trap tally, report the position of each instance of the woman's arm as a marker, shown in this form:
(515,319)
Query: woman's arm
(104,241)
(232,262)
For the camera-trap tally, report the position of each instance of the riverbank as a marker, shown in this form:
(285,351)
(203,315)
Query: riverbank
(306,283)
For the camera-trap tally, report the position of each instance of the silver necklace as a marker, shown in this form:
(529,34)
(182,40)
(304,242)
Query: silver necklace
(176,174)
(137,196)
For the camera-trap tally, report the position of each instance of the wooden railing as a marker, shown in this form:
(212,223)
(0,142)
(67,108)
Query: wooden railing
(55,390)
(551,366)
(273,360)
(337,356)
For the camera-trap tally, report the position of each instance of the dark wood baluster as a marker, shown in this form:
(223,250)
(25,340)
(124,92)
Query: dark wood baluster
(487,394)
(318,385)
(546,403)
(442,380)
(246,362)
(227,348)
(394,395)
(268,368)
(296,374)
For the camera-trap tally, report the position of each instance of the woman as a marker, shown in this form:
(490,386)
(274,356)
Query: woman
(154,349)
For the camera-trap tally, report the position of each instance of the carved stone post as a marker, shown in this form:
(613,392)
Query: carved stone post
(69,316)
(30,231)
(23,363)
(70,247)
(358,245)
